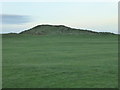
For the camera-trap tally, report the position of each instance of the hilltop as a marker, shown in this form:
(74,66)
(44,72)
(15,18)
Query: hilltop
(58,29)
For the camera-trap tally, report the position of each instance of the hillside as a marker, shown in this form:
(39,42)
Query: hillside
(56,56)
(58,29)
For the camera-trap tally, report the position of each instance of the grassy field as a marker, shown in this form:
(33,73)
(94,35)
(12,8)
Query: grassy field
(60,61)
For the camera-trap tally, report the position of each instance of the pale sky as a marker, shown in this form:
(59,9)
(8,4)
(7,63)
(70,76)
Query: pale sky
(96,16)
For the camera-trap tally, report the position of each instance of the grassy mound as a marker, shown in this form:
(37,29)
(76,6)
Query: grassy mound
(58,29)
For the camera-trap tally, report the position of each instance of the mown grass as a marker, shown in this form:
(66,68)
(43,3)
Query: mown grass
(60,61)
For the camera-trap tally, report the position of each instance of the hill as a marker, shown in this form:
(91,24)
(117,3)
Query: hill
(58,29)
(56,56)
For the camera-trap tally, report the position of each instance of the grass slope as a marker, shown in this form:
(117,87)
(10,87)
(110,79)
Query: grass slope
(60,61)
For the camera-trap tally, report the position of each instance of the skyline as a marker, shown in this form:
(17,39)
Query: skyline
(96,16)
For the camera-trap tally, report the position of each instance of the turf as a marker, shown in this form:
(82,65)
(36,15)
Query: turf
(60,61)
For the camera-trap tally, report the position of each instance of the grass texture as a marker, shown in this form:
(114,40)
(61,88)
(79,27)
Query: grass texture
(60,61)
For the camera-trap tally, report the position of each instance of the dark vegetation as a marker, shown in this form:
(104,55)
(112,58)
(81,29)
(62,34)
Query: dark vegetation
(58,29)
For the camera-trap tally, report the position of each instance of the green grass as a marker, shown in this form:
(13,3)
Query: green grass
(60,61)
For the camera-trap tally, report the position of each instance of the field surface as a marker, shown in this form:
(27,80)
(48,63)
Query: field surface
(60,61)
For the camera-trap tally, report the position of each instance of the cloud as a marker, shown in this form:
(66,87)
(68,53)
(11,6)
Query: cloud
(14,19)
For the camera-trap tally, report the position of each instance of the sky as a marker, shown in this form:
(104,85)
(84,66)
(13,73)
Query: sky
(95,16)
